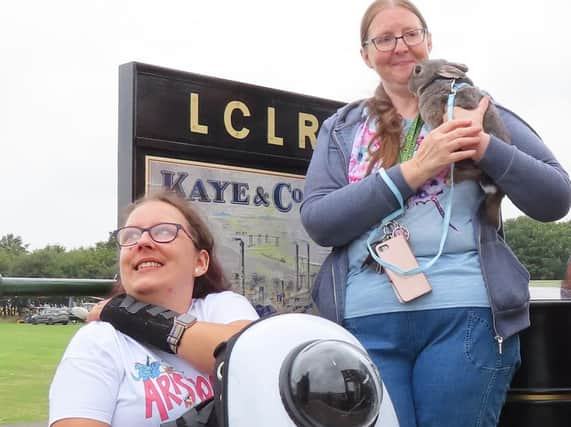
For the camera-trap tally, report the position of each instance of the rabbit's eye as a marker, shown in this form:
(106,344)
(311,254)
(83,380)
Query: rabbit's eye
(417,69)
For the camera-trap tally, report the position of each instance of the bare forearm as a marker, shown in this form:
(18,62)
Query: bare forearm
(413,174)
(199,341)
(79,422)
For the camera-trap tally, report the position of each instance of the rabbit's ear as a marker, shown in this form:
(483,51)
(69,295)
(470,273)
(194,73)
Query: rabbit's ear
(453,70)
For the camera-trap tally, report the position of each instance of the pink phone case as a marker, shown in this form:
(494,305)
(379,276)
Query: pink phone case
(396,251)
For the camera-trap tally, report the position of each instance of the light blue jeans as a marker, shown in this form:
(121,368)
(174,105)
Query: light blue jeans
(441,367)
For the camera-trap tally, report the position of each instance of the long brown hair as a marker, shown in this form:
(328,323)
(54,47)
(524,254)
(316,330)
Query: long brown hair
(380,106)
(213,280)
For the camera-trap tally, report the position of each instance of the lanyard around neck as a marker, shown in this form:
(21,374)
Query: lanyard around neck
(407,150)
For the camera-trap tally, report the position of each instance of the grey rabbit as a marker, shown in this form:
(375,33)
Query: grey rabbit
(431,82)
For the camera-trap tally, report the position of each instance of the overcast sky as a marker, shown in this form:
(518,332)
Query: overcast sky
(60,59)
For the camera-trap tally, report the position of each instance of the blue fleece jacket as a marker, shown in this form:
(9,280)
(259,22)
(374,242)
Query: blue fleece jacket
(334,213)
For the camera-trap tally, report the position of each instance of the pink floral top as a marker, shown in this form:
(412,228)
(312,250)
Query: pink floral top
(360,155)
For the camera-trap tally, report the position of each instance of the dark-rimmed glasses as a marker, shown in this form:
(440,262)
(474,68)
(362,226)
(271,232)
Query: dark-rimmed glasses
(388,42)
(164,232)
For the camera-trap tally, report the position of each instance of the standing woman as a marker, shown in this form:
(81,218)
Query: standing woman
(447,357)
(152,356)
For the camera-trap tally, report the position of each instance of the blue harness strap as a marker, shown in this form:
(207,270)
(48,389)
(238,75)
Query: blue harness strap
(451,97)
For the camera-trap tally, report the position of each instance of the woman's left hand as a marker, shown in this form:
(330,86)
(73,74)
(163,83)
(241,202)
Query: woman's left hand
(95,311)
(476,116)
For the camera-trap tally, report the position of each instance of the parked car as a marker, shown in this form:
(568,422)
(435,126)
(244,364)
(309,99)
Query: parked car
(51,316)
(77,314)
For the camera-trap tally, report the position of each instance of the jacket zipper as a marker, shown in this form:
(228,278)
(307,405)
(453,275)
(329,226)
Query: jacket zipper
(342,153)
(335,294)
(499,339)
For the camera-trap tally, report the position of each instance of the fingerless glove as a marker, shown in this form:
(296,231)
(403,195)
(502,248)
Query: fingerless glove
(145,323)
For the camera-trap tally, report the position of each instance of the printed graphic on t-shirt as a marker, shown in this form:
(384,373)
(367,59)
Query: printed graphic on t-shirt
(166,389)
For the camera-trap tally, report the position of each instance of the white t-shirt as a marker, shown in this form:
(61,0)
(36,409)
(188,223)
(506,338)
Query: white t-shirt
(107,376)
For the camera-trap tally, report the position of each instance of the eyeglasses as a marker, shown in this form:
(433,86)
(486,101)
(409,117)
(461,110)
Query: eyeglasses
(164,232)
(388,42)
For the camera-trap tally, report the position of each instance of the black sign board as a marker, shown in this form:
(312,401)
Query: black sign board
(189,116)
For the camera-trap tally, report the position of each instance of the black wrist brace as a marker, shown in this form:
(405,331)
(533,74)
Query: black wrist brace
(145,323)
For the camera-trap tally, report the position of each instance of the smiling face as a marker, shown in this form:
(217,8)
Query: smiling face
(161,273)
(395,66)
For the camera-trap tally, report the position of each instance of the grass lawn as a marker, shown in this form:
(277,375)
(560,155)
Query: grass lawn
(29,355)
(545,283)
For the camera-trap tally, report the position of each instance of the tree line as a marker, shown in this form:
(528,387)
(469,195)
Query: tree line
(544,248)
(53,261)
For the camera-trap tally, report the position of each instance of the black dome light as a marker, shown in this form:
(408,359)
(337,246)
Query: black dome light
(330,383)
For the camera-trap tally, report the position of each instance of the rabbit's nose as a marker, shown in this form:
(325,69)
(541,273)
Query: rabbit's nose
(417,69)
